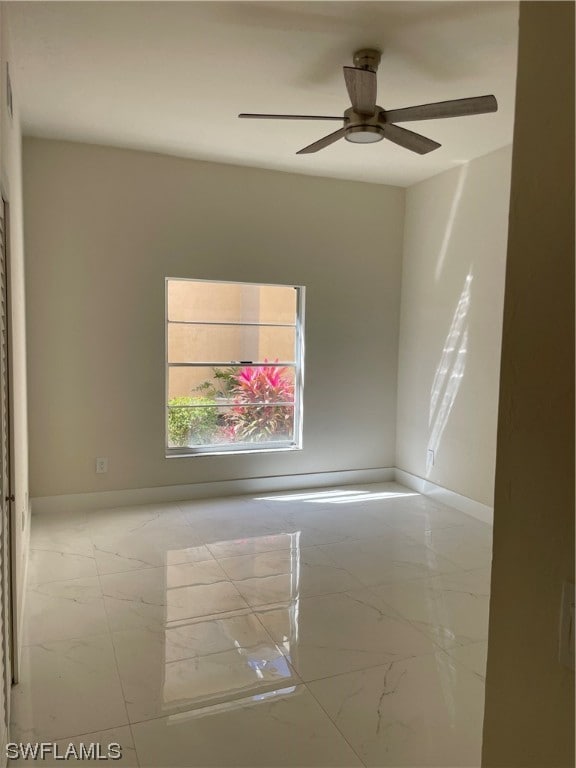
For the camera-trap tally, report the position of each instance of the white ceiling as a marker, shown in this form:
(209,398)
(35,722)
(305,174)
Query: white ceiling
(172,76)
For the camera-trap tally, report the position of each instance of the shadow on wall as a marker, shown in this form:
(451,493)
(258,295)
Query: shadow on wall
(450,371)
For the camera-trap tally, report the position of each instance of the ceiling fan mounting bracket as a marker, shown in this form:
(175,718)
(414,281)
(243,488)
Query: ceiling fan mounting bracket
(367,58)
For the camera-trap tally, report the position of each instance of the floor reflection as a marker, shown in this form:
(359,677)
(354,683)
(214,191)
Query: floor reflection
(190,679)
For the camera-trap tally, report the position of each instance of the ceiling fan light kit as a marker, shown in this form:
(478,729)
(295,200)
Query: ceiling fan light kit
(364,134)
(366,123)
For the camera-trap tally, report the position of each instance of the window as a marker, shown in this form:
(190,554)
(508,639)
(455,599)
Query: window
(234,369)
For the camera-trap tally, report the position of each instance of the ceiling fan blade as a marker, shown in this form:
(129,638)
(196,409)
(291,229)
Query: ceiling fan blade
(361,86)
(455,108)
(409,140)
(324,142)
(254,116)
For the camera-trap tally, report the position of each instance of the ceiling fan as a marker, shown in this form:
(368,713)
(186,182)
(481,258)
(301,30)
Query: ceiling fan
(365,122)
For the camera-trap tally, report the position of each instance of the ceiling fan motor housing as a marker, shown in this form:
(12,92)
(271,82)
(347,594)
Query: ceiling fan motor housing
(363,129)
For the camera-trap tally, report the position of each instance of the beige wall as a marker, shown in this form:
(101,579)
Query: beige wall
(104,227)
(451,322)
(11,179)
(529,716)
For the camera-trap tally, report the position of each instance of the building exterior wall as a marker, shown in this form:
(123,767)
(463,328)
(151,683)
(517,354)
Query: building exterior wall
(220,302)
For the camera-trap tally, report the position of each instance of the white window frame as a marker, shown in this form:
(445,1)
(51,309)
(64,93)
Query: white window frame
(297,365)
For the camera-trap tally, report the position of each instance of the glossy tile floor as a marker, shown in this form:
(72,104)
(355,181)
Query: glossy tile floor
(338,627)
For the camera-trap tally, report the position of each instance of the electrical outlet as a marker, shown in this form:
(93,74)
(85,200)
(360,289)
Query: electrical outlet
(566,645)
(101,466)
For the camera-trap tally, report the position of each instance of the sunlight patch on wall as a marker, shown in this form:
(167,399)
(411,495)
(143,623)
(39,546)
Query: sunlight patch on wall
(449,373)
(451,219)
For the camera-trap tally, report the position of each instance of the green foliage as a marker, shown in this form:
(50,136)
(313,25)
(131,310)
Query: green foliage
(256,394)
(221,385)
(191,426)
(226,378)
(257,415)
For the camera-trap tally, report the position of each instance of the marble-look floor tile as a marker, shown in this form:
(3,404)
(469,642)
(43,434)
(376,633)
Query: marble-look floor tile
(173,545)
(413,515)
(220,609)
(270,528)
(132,538)
(217,534)
(467,528)
(67,687)
(272,563)
(252,545)
(198,637)
(225,520)
(217,508)
(194,665)
(62,610)
(135,519)
(68,533)
(472,656)
(60,520)
(468,547)
(82,748)
(281,576)
(451,609)
(56,565)
(284,729)
(476,580)
(387,559)
(123,534)
(159,596)
(331,634)
(425,711)
(332,524)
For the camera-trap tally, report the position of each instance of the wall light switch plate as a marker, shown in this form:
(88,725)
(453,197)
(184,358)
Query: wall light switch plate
(567,638)
(430,461)
(101,466)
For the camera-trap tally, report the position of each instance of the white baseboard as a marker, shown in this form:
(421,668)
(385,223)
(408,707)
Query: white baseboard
(161,494)
(444,496)
(168,493)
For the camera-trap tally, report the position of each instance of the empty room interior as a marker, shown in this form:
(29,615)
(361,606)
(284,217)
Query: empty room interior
(287,384)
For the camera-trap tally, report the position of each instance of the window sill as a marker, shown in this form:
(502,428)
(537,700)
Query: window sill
(189,453)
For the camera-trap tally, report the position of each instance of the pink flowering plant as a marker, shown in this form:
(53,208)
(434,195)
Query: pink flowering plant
(256,393)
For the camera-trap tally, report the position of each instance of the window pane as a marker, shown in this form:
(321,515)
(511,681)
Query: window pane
(230,385)
(233,353)
(223,343)
(230,302)
(221,425)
